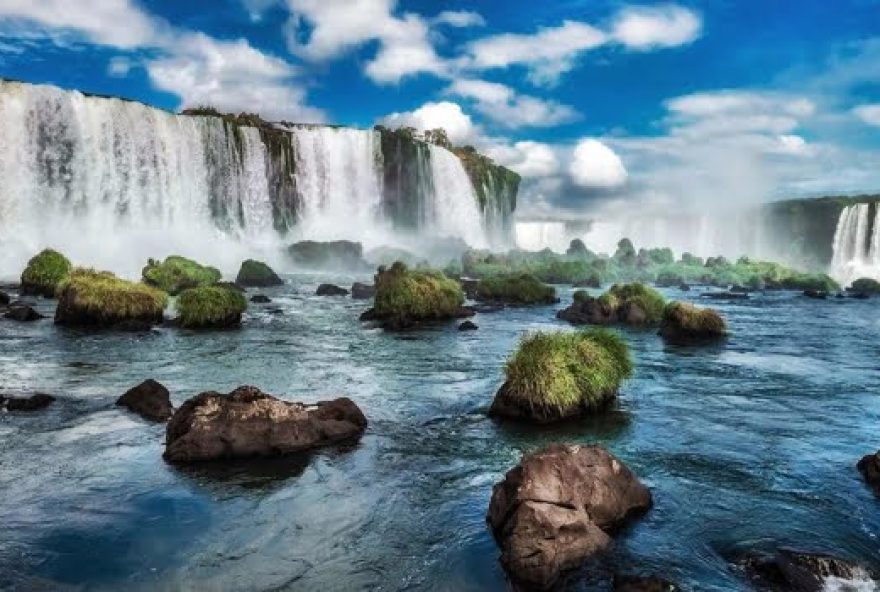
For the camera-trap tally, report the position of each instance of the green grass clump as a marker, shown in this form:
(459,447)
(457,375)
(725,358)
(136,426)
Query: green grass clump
(560,374)
(176,274)
(521,288)
(686,319)
(405,295)
(258,274)
(89,297)
(620,296)
(44,272)
(210,306)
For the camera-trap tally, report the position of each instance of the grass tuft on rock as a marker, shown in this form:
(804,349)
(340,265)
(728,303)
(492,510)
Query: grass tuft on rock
(176,274)
(684,323)
(561,374)
(515,288)
(99,298)
(621,297)
(404,296)
(210,307)
(257,274)
(44,272)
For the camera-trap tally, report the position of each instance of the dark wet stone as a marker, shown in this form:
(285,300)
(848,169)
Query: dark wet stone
(260,299)
(816,294)
(624,583)
(869,467)
(31,403)
(331,290)
(468,326)
(149,399)
(22,313)
(794,571)
(361,291)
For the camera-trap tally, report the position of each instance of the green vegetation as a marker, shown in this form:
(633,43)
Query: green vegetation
(44,272)
(521,288)
(210,306)
(623,297)
(89,297)
(686,323)
(561,374)
(404,296)
(176,274)
(257,274)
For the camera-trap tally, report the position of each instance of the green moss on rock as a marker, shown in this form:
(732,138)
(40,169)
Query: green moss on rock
(257,274)
(624,297)
(865,286)
(406,297)
(554,376)
(176,274)
(100,299)
(44,272)
(210,307)
(521,288)
(684,323)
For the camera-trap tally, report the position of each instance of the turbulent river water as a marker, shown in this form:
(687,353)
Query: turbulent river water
(748,445)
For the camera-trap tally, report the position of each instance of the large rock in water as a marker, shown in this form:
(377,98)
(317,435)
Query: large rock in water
(334,254)
(256,274)
(685,324)
(330,290)
(794,571)
(31,403)
(249,423)
(556,508)
(22,313)
(869,467)
(150,399)
(361,291)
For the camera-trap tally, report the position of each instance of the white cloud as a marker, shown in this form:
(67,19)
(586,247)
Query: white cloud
(459,18)
(649,27)
(119,67)
(445,114)
(869,114)
(793,145)
(596,166)
(507,108)
(532,160)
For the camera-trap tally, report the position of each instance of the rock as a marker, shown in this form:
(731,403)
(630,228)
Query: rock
(330,290)
(594,281)
(210,307)
(793,571)
(406,299)
(517,289)
(249,423)
(631,304)
(22,313)
(859,295)
(4,298)
(31,403)
(470,287)
(44,273)
(99,299)
(684,288)
(260,299)
(869,467)
(737,289)
(361,291)
(176,274)
(586,310)
(149,399)
(864,286)
(256,274)
(817,294)
(335,254)
(726,295)
(686,324)
(642,584)
(557,508)
(468,326)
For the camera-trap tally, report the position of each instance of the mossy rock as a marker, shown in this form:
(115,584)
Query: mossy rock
(44,272)
(176,274)
(635,303)
(865,286)
(518,289)
(210,307)
(339,254)
(405,298)
(256,274)
(89,298)
(559,375)
(686,324)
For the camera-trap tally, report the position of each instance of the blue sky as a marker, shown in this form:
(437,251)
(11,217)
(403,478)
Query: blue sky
(596,103)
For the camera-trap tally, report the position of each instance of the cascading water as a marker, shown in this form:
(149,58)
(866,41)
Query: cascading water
(857,244)
(453,210)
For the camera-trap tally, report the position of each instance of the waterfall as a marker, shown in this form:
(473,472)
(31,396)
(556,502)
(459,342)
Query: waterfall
(856,247)
(111,183)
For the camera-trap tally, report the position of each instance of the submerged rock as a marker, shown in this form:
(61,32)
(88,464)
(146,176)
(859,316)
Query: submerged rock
(256,274)
(330,290)
(361,291)
(150,399)
(249,423)
(869,467)
(793,571)
(468,326)
(557,507)
(260,299)
(686,324)
(642,584)
(31,403)
(22,313)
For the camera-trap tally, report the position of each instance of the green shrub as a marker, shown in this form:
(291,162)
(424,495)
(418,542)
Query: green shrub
(89,297)
(44,272)
(176,274)
(210,306)
(404,296)
(819,282)
(560,374)
(622,296)
(520,288)
(257,274)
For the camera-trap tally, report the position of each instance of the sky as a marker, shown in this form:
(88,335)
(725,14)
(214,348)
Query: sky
(598,104)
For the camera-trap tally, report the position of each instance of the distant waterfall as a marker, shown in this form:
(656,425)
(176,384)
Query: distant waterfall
(857,244)
(113,182)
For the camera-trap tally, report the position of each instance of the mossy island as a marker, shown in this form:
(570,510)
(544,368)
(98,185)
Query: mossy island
(210,307)
(176,274)
(89,298)
(341,254)
(559,375)
(256,274)
(686,324)
(630,304)
(44,272)
(408,298)
(518,289)
(864,287)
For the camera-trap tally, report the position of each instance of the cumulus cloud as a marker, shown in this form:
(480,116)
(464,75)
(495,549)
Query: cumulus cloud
(459,18)
(458,125)
(869,114)
(532,160)
(119,67)
(507,108)
(649,27)
(596,166)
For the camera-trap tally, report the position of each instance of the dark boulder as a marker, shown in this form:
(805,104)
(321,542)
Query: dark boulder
(149,399)
(249,423)
(340,254)
(684,288)
(468,326)
(726,295)
(642,584)
(256,274)
(869,467)
(22,313)
(470,287)
(793,571)
(816,294)
(31,403)
(586,310)
(361,291)
(4,298)
(330,290)
(260,299)
(557,507)
(686,324)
